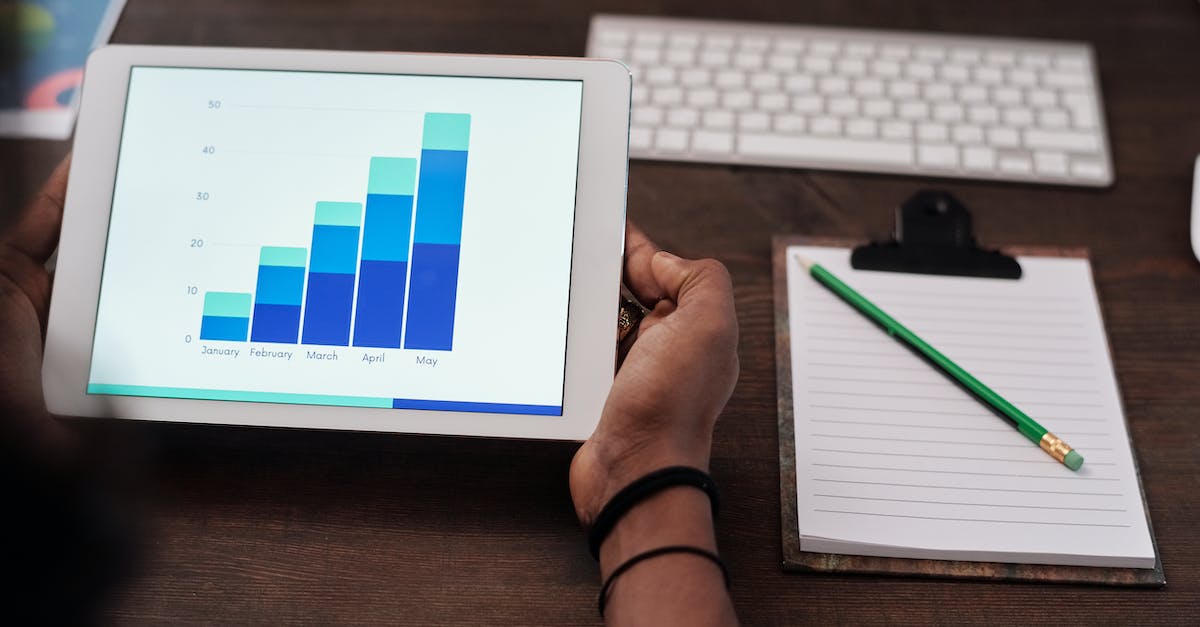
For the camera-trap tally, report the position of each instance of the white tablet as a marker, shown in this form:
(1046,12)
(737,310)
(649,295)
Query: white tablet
(342,240)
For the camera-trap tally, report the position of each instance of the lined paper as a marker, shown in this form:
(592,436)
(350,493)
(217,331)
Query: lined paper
(895,460)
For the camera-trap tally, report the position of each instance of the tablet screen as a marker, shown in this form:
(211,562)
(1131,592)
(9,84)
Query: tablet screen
(366,240)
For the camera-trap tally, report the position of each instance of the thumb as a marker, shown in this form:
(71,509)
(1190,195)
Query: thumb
(689,282)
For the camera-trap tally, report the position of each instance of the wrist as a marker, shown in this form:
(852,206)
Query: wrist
(679,515)
(611,471)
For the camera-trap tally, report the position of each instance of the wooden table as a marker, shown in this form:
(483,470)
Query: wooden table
(253,525)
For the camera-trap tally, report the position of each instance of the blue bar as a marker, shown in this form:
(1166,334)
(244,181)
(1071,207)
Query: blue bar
(387,227)
(334,249)
(327,310)
(276,323)
(432,297)
(279,285)
(331,269)
(490,408)
(224,328)
(383,271)
(378,318)
(440,194)
(437,236)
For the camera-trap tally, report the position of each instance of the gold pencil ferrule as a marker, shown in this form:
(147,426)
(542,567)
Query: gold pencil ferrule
(1055,446)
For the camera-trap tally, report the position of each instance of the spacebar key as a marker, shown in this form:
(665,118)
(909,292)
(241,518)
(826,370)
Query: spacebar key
(823,149)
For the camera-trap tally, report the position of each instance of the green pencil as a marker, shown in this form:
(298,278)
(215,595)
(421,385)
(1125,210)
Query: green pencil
(1028,427)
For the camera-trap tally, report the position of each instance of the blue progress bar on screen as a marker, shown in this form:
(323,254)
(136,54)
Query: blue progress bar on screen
(321,399)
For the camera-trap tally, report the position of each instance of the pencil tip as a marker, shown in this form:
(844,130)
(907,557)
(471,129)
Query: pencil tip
(803,261)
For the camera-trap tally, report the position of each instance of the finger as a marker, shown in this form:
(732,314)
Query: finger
(639,277)
(702,291)
(36,229)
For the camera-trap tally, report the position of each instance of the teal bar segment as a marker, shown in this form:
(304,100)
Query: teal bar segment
(446,131)
(227,304)
(339,214)
(283,257)
(392,176)
(236,395)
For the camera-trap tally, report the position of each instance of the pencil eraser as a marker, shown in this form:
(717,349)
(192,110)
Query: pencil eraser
(1073,460)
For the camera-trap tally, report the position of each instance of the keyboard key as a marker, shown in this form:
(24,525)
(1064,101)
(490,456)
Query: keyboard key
(955,73)
(755,43)
(966,56)
(895,52)
(799,83)
(737,99)
(783,62)
(948,112)
(902,89)
(851,67)
(988,75)
(937,155)
(932,132)
(1050,163)
(717,119)
(931,53)
(648,38)
(983,114)
(1053,118)
(640,137)
(671,140)
(818,65)
(979,158)
(1016,164)
(1088,168)
(667,96)
(773,102)
(789,123)
(844,106)
(1006,95)
(833,85)
(1061,140)
(711,58)
(647,116)
(748,60)
(1024,78)
(613,37)
(789,45)
(973,94)
(1018,116)
(824,47)
(939,91)
(967,134)
(1035,60)
(825,125)
(914,110)
(683,40)
(639,95)
(754,121)
(861,128)
(867,87)
(879,108)
(1001,57)
(860,49)
(729,79)
(1041,98)
(681,56)
(1003,136)
(919,70)
(842,150)
(695,77)
(683,117)
(1071,63)
(720,41)
(808,104)
(764,81)
(1065,80)
(896,130)
(609,52)
(646,55)
(885,68)
(712,142)
(702,97)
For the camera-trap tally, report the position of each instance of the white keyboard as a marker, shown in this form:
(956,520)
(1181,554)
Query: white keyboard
(875,101)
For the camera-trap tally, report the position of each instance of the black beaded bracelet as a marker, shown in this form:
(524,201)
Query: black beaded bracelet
(692,550)
(642,489)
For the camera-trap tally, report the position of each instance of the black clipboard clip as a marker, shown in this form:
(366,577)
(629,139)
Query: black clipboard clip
(934,236)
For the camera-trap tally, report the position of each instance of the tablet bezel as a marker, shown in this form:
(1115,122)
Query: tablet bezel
(595,262)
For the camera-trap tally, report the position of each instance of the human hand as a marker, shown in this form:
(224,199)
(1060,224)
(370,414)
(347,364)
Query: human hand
(679,373)
(24,305)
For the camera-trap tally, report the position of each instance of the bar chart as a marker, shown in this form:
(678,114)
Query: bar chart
(343,239)
(381,273)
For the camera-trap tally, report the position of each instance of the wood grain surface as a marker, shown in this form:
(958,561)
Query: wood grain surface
(271,526)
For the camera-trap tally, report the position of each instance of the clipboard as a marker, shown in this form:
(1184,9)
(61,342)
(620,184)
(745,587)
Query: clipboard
(933,236)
